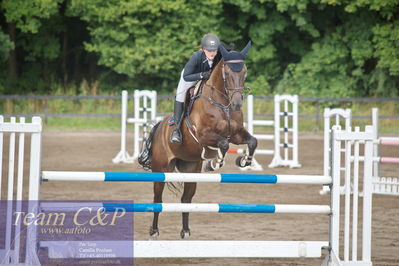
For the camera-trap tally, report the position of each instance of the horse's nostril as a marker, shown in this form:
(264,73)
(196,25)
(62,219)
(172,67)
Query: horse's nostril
(237,106)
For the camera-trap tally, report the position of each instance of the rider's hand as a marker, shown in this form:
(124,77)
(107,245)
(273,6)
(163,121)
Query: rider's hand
(205,75)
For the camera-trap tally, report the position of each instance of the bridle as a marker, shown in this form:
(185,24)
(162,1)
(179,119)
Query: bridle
(238,89)
(226,94)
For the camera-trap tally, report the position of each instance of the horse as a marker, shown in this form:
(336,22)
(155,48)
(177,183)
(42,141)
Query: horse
(215,120)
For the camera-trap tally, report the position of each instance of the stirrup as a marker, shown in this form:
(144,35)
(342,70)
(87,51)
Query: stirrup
(175,138)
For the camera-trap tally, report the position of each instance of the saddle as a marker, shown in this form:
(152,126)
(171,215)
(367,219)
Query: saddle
(192,94)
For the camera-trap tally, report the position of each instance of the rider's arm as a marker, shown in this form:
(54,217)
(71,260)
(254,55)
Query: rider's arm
(192,70)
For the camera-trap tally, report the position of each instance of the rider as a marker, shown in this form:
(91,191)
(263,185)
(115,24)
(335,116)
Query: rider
(197,68)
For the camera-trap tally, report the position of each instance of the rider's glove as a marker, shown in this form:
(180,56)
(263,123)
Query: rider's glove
(205,75)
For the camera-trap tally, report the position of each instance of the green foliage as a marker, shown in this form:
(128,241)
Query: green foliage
(386,41)
(147,40)
(337,48)
(5,46)
(29,15)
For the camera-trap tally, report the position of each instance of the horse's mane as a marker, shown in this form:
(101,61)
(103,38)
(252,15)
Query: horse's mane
(216,68)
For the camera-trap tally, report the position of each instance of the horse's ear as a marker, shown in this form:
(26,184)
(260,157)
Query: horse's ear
(246,49)
(223,51)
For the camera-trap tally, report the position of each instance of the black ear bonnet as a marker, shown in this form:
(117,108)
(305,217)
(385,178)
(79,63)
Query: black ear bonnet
(233,55)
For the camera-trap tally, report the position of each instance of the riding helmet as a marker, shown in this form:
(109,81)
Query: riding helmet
(210,42)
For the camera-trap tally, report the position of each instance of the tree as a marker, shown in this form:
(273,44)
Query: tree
(148,41)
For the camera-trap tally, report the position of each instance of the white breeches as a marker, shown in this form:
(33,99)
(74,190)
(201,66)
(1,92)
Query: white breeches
(182,88)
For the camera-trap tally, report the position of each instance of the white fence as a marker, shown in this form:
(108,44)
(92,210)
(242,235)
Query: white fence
(381,184)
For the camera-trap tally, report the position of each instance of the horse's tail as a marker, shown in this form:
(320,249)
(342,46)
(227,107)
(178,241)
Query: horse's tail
(145,156)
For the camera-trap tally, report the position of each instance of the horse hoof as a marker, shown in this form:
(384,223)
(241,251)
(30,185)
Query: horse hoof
(185,234)
(154,233)
(241,162)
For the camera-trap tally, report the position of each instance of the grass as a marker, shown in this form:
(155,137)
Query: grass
(29,106)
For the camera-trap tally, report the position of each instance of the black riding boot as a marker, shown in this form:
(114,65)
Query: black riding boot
(176,136)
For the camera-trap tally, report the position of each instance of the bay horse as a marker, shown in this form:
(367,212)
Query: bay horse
(215,120)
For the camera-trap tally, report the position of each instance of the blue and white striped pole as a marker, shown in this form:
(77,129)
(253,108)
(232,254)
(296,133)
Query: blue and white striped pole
(185,207)
(221,208)
(184,177)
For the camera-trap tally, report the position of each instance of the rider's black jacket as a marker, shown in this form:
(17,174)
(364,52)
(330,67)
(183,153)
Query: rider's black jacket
(197,64)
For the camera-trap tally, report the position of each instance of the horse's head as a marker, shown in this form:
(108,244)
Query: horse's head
(234,72)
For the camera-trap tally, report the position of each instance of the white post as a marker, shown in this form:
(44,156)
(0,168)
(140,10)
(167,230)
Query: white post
(348,152)
(367,198)
(327,141)
(136,141)
(34,189)
(20,178)
(123,155)
(335,193)
(35,161)
(285,130)
(11,161)
(374,118)
(277,157)
(10,191)
(250,114)
(355,208)
(295,148)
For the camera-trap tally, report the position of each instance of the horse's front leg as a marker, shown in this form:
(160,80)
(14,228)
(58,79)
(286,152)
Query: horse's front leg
(189,191)
(222,145)
(243,137)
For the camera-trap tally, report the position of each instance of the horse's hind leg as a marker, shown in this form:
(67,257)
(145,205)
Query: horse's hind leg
(158,190)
